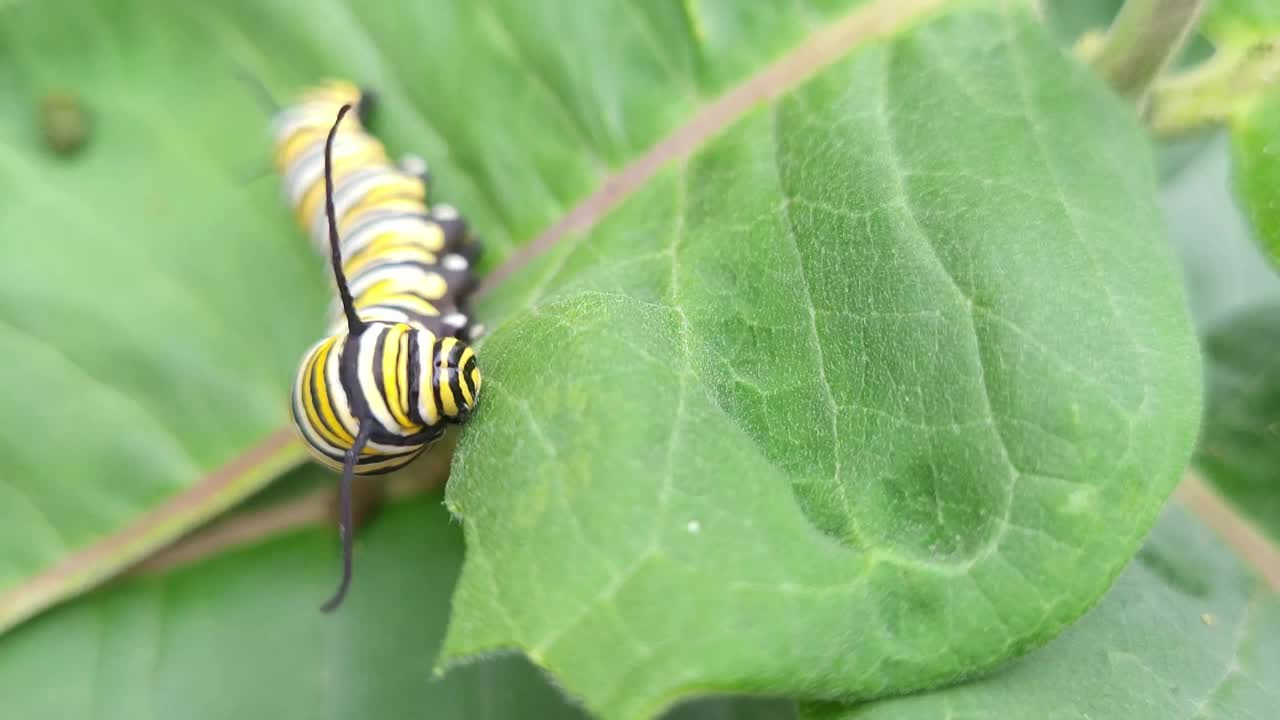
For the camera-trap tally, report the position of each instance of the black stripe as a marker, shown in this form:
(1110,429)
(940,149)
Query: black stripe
(411,443)
(455,382)
(348,372)
(395,378)
(398,441)
(378,380)
(467,370)
(414,378)
(435,381)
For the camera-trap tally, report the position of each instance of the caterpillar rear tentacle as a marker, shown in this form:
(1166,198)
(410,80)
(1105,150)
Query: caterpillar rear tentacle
(396,368)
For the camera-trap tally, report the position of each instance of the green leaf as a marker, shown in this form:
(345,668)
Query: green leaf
(1185,632)
(1256,135)
(150,645)
(1234,295)
(1241,86)
(1225,269)
(1240,445)
(878,389)
(1241,21)
(156,296)
(239,635)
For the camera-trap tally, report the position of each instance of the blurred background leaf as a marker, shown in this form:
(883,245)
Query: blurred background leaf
(1235,298)
(234,631)
(1187,631)
(239,635)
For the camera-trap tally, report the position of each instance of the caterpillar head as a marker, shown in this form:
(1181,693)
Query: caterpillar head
(455,379)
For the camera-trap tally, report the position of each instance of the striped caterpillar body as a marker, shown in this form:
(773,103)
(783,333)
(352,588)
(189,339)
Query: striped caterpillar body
(395,369)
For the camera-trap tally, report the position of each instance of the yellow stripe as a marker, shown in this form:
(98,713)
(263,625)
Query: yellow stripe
(402,373)
(447,401)
(401,301)
(397,188)
(386,243)
(287,152)
(377,291)
(308,407)
(315,377)
(434,286)
(426,367)
(390,375)
(462,381)
(343,439)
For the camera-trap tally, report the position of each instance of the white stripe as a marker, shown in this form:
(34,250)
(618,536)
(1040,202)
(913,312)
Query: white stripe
(396,221)
(368,380)
(400,254)
(403,278)
(426,403)
(337,393)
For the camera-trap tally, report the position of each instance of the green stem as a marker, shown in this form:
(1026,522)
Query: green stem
(1144,37)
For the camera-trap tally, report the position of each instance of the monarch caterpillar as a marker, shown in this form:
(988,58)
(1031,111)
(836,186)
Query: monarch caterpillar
(395,368)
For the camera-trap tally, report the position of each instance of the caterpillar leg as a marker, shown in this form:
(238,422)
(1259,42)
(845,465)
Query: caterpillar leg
(472,249)
(366,105)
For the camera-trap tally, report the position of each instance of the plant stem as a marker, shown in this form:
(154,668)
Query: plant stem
(1142,40)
